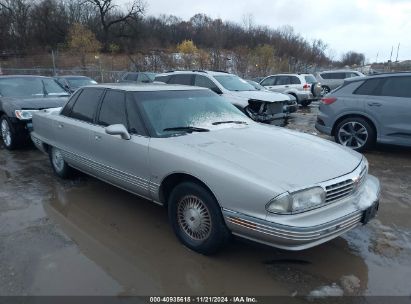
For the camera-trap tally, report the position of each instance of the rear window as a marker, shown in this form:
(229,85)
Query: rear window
(310,79)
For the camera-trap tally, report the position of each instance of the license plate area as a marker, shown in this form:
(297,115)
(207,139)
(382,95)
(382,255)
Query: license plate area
(370,213)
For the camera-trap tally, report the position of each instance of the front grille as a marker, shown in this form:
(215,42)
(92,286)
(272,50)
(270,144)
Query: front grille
(345,188)
(339,190)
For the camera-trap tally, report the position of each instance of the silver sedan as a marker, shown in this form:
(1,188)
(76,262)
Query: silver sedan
(218,172)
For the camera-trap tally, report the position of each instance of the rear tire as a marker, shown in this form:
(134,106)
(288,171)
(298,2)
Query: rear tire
(355,133)
(305,103)
(196,218)
(325,90)
(60,167)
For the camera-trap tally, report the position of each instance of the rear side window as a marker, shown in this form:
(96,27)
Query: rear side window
(370,87)
(268,81)
(333,75)
(86,104)
(396,87)
(294,80)
(162,78)
(69,105)
(185,79)
(113,109)
(131,76)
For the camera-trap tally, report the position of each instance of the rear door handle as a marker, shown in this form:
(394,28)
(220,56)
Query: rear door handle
(287,86)
(97,137)
(60,126)
(374,104)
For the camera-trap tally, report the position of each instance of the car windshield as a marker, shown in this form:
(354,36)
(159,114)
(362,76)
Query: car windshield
(234,83)
(181,112)
(310,79)
(256,85)
(77,82)
(30,86)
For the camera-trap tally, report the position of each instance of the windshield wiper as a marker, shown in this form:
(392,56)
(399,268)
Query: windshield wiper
(229,121)
(187,129)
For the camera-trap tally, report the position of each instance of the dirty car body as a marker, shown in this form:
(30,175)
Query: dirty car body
(178,138)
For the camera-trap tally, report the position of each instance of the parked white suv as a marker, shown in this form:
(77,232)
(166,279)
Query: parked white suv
(304,87)
(260,106)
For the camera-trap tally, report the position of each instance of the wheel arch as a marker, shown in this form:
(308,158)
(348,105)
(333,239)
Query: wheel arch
(172,180)
(351,115)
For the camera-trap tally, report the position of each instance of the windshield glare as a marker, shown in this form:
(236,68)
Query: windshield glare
(234,83)
(172,109)
(29,86)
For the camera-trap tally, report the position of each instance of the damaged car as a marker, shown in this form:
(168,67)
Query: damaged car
(217,172)
(260,106)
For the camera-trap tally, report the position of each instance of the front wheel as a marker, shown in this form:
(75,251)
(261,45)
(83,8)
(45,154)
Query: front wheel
(196,218)
(8,133)
(355,133)
(60,167)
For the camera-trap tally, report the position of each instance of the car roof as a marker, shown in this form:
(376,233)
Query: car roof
(146,87)
(339,71)
(23,76)
(382,75)
(71,76)
(198,72)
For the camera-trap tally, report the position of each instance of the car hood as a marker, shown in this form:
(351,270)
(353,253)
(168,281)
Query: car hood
(273,156)
(37,103)
(261,95)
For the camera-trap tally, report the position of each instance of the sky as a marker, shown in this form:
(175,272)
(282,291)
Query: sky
(367,26)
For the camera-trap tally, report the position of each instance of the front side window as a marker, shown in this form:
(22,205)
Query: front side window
(282,80)
(163,110)
(86,104)
(113,109)
(268,81)
(185,79)
(204,82)
(234,83)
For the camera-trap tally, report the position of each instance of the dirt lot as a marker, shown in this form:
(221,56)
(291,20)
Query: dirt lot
(85,237)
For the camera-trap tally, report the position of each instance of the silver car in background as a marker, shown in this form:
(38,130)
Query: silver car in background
(217,171)
(367,110)
(331,80)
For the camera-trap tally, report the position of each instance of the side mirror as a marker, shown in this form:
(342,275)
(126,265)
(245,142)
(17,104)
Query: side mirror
(118,130)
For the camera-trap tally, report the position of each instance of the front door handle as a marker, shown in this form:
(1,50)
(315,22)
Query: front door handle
(374,104)
(97,137)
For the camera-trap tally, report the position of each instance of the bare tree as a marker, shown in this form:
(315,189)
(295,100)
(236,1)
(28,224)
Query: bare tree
(110,14)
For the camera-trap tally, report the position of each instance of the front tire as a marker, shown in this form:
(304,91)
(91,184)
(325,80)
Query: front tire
(196,218)
(59,165)
(355,133)
(8,133)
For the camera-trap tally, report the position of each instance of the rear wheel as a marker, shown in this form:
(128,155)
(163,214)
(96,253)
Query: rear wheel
(305,103)
(355,133)
(196,218)
(325,90)
(60,167)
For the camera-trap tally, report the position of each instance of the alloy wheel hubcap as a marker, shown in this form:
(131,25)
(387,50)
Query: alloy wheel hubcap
(5,132)
(194,217)
(58,161)
(353,135)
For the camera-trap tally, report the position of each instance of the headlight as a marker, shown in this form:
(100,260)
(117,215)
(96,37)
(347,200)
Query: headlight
(24,114)
(288,203)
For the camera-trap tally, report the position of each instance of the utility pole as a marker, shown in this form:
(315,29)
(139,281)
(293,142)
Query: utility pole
(376,59)
(398,50)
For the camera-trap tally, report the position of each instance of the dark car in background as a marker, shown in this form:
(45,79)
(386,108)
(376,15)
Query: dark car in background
(72,82)
(142,77)
(367,110)
(20,96)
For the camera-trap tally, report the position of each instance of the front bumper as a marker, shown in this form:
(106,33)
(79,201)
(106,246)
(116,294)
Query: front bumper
(299,234)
